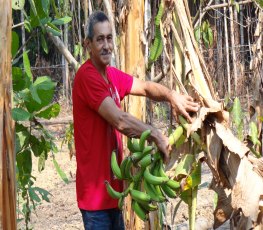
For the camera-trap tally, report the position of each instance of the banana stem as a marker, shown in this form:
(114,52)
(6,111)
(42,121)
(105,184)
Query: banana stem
(192,208)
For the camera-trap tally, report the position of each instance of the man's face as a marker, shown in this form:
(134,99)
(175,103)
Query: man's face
(101,45)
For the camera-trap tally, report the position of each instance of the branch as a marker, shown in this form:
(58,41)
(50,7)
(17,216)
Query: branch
(63,50)
(213,7)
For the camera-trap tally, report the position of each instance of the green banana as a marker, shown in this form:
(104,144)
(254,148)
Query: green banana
(149,206)
(156,180)
(130,145)
(168,191)
(161,169)
(175,185)
(159,192)
(147,150)
(115,166)
(136,146)
(136,156)
(112,192)
(138,176)
(139,211)
(121,202)
(145,161)
(122,167)
(127,171)
(139,196)
(143,138)
(174,137)
(150,190)
(127,191)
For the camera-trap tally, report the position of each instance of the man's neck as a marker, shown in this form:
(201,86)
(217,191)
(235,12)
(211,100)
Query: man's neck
(101,69)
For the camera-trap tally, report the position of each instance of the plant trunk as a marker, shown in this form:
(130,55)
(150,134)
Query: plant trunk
(7,151)
(132,62)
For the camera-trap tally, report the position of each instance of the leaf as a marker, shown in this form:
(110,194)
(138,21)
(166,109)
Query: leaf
(194,179)
(44,83)
(237,7)
(27,66)
(37,146)
(253,130)
(159,14)
(60,172)
(184,167)
(19,114)
(33,91)
(210,36)
(197,33)
(50,112)
(157,46)
(44,44)
(18,4)
(21,140)
(17,79)
(15,43)
(46,6)
(44,193)
(24,165)
(53,29)
(33,195)
(61,21)
(237,116)
(42,161)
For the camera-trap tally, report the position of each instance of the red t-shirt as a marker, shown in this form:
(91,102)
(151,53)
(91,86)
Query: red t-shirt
(95,138)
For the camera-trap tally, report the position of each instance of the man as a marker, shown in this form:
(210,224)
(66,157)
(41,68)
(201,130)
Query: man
(99,120)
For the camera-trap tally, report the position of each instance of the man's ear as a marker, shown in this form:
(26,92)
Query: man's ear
(86,45)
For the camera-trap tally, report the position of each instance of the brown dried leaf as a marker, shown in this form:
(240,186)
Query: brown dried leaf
(230,141)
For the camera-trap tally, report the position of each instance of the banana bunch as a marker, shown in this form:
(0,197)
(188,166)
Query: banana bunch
(149,185)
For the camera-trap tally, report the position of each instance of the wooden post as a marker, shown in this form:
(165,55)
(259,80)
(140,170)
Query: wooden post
(7,151)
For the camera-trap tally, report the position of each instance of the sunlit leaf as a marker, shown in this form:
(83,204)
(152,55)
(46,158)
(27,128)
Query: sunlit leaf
(27,66)
(18,4)
(51,112)
(61,21)
(44,44)
(19,114)
(60,171)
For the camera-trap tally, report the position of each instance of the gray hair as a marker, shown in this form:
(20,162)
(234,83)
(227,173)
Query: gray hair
(95,17)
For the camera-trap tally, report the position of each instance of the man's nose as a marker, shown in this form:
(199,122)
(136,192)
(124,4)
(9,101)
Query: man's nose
(106,44)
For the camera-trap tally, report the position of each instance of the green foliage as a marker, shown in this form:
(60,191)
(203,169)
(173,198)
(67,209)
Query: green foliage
(33,99)
(157,46)
(260,3)
(237,118)
(204,34)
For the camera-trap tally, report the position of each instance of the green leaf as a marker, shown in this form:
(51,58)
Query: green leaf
(17,78)
(53,29)
(210,36)
(197,33)
(46,6)
(44,44)
(15,43)
(24,165)
(18,4)
(60,172)
(157,46)
(27,66)
(184,167)
(50,112)
(254,133)
(44,193)
(37,146)
(41,161)
(33,195)
(22,140)
(33,91)
(159,14)
(237,116)
(186,196)
(61,21)
(237,7)
(44,83)
(19,114)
